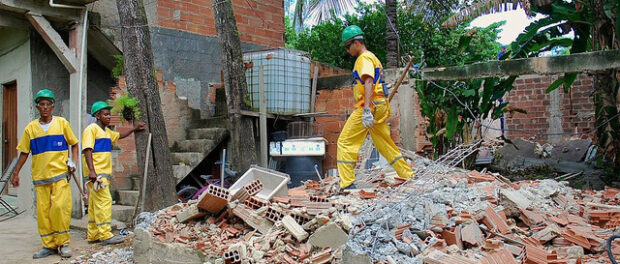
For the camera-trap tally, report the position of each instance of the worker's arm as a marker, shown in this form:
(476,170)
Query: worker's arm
(88,156)
(75,153)
(138,127)
(369,87)
(20,163)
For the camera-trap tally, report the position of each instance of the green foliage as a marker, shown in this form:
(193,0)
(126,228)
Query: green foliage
(126,106)
(118,69)
(455,46)
(289,33)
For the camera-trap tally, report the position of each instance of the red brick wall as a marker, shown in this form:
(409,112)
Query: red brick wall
(339,103)
(176,116)
(259,22)
(529,94)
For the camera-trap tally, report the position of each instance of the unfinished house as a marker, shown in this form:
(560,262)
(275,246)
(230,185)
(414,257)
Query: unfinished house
(70,47)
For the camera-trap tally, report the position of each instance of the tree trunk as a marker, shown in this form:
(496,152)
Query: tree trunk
(243,150)
(141,83)
(606,87)
(391,39)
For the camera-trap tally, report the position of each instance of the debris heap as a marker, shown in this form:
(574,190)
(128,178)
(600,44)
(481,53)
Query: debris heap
(446,215)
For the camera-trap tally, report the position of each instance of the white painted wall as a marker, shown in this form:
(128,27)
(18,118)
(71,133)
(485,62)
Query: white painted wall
(15,66)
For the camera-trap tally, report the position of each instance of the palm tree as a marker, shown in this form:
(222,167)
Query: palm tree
(391,34)
(315,11)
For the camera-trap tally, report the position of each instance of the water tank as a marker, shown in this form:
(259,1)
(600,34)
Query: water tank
(286,75)
(301,168)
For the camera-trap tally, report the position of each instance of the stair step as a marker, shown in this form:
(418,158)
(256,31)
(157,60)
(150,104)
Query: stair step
(188,158)
(128,197)
(213,122)
(122,213)
(180,171)
(194,145)
(213,133)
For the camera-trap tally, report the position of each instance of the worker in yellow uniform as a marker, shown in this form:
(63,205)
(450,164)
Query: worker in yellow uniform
(370,115)
(48,139)
(97,141)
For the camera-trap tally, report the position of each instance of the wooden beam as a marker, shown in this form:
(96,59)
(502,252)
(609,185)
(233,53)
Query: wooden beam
(264,150)
(580,62)
(40,7)
(53,39)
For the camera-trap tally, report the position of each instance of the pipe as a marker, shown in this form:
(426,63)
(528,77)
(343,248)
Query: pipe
(52,4)
(81,72)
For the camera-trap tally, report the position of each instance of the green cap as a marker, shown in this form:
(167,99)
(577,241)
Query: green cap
(351,32)
(44,94)
(98,106)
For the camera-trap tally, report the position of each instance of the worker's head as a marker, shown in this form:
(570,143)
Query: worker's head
(101,111)
(353,40)
(503,48)
(44,101)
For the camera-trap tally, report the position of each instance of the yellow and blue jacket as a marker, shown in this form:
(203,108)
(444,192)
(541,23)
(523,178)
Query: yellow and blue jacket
(49,149)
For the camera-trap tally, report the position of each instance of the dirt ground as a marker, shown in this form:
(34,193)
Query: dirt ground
(19,240)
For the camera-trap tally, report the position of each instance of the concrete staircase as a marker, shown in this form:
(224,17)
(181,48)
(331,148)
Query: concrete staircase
(203,136)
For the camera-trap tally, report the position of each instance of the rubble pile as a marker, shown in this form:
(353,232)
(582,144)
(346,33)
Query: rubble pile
(122,255)
(447,215)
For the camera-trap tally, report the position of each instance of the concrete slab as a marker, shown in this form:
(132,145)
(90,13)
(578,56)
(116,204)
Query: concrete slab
(573,150)
(330,235)
(128,197)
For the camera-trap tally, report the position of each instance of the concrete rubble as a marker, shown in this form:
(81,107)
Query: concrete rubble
(447,215)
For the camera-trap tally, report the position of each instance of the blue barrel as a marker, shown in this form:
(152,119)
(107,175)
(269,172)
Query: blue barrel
(301,168)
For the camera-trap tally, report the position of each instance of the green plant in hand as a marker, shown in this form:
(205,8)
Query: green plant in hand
(126,106)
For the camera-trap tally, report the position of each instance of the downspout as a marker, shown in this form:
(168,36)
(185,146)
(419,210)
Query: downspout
(80,83)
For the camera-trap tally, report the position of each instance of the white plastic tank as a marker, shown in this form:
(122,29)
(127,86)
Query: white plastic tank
(286,74)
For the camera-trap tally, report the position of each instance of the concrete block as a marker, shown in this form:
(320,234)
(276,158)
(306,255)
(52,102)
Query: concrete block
(122,213)
(148,250)
(257,222)
(330,235)
(180,171)
(128,197)
(236,254)
(294,228)
(350,256)
(273,214)
(253,202)
(214,199)
(190,212)
(254,187)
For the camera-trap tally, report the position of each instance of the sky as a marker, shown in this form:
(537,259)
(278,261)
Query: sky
(516,21)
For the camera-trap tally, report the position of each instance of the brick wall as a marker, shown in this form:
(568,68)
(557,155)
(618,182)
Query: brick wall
(176,115)
(529,93)
(259,22)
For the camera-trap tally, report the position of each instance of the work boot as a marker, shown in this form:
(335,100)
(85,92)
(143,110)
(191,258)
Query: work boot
(90,242)
(64,251)
(45,252)
(113,240)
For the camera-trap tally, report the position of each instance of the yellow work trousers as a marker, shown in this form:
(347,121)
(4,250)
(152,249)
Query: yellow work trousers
(54,213)
(99,212)
(353,135)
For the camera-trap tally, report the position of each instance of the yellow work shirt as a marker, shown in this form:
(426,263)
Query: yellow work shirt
(49,149)
(368,64)
(100,141)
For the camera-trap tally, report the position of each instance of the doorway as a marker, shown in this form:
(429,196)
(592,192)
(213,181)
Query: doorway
(9,123)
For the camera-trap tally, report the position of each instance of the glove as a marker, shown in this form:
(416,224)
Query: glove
(70,166)
(98,184)
(368,120)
